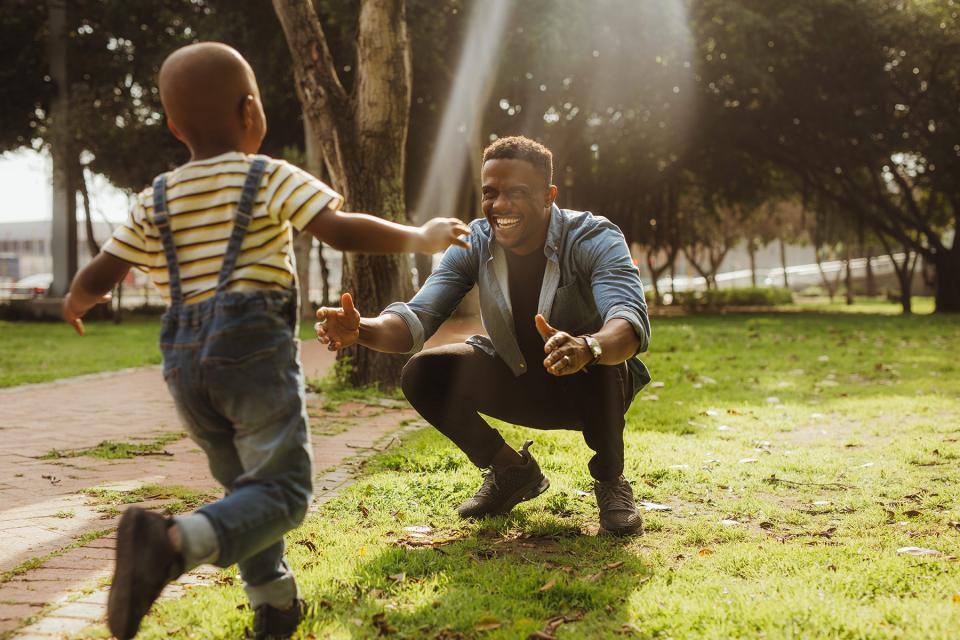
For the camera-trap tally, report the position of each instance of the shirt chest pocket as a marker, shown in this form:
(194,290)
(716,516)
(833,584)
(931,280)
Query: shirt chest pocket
(572,311)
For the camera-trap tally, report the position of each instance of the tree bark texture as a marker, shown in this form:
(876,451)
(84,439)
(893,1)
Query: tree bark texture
(362,134)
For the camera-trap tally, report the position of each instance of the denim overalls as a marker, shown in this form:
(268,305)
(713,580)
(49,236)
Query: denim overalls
(233,367)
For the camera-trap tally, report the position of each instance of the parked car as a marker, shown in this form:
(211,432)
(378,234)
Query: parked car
(33,286)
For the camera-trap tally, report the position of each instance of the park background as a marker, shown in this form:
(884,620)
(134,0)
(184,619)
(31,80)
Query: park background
(787,176)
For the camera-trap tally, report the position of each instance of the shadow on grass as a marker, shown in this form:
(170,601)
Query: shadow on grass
(513,577)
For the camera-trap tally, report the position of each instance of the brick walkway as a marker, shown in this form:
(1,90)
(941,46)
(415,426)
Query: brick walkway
(44,510)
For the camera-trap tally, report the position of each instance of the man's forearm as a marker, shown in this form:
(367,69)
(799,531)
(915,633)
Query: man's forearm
(387,333)
(618,341)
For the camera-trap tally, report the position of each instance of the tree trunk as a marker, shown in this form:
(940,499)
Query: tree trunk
(752,251)
(302,244)
(92,246)
(63,244)
(848,277)
(947,292)
(871,278)
(363,136)
(324,277)
(783,263)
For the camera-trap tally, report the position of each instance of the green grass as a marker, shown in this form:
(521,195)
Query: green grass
(43,351)
(831,440)
(111,450)
(180,499)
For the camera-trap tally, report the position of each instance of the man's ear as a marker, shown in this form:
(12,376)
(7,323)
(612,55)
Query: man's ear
(551,195)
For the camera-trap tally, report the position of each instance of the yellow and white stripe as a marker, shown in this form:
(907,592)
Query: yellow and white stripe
(202,199)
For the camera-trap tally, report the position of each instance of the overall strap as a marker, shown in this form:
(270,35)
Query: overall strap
(251,187)
(161,220)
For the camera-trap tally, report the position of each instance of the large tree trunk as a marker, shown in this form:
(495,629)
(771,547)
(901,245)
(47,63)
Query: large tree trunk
(752,252)
(848,276)
(63,244)
(947,291)
(363,134)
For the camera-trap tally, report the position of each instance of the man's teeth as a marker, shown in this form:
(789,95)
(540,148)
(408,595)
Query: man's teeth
(506,223)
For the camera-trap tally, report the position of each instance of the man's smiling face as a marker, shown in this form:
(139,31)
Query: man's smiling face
(516,201)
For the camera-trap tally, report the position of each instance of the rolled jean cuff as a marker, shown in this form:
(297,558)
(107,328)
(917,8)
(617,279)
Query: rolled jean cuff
(198,540)
(279,593)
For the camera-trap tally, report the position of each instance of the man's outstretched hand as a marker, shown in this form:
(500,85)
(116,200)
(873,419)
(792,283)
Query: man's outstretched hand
(73,310)
(338,328)
(566,354)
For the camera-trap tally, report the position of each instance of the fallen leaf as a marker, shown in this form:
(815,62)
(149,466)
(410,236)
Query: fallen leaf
(912,513)
(582,494)
(724,427)
(707,380)
(380,622)
(956,598)
(711,412)
(729,523)
(773,400)
(705,552)
(550,584)
(823,358)
(309,544)
(418,528)
(657,385)
(767,526)
(920,551)
(821,502)
(397,577)
(679,466)
(363,510)
(613,565)
(650,397)
(487,623)
(748,460)
(653,506)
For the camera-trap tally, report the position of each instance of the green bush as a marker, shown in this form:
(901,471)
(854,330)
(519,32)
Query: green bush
(740,297)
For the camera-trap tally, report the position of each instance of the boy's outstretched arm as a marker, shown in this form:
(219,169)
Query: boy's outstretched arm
(363,233)
(91,286)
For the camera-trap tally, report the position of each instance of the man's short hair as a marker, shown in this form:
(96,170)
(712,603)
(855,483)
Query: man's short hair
(522,148)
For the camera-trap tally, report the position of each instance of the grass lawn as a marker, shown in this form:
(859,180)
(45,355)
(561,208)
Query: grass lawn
(44,351)
(796,454)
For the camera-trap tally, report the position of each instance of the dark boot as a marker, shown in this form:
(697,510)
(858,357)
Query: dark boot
(618,511)
(503,489)
(270,623)
(146,563)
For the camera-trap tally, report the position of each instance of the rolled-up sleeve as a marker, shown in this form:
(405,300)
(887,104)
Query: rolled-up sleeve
(615,280)
(439,296)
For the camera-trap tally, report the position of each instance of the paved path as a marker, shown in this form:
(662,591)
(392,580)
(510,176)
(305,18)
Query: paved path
(47,511)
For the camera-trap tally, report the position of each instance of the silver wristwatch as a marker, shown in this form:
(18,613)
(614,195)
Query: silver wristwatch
(594,346)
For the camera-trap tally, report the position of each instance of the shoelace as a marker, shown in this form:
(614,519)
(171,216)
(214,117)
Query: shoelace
(489,484)
(617,496)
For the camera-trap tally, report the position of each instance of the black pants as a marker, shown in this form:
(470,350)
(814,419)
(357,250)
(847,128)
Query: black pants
(451,385)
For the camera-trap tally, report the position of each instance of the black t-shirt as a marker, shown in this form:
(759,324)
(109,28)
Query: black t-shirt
(525,277)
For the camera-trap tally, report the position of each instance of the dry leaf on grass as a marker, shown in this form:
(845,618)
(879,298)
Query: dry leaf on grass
(380,622)
(550,584)
(487,623)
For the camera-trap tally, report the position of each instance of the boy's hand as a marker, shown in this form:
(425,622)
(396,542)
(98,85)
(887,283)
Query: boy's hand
(74,311)
(439,233)
(338,328)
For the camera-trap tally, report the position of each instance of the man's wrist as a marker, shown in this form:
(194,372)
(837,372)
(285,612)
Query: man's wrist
(592,349)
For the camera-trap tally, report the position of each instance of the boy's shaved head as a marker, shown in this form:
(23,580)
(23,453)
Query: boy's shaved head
(205,89)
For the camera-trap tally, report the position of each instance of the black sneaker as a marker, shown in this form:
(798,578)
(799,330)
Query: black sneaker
(504,489)
(146,563)
(618,511)
(270,623)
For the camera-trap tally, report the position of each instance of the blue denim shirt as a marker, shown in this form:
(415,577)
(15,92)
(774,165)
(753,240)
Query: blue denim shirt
(589,279)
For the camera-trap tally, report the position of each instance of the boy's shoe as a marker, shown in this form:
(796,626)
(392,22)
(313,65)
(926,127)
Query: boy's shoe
(146,562)
(270,623)
(504,489)
(618,511)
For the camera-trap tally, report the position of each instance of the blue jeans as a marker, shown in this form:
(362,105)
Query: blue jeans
(232,365)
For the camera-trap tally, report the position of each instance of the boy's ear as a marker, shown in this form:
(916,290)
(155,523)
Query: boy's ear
(248,111)
(176,132)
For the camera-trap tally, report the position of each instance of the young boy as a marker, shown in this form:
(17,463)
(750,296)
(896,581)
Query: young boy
(214,235)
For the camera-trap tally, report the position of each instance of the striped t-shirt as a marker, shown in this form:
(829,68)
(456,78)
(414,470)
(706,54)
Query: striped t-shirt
(202,200)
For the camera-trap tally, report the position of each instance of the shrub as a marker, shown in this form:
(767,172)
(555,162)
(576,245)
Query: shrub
(741,297)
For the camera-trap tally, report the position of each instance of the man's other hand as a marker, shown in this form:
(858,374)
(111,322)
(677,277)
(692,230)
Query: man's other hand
(338,328)
(566,354)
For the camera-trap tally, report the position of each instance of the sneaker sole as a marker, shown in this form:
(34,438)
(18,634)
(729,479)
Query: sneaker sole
(119,604)
(625,531)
